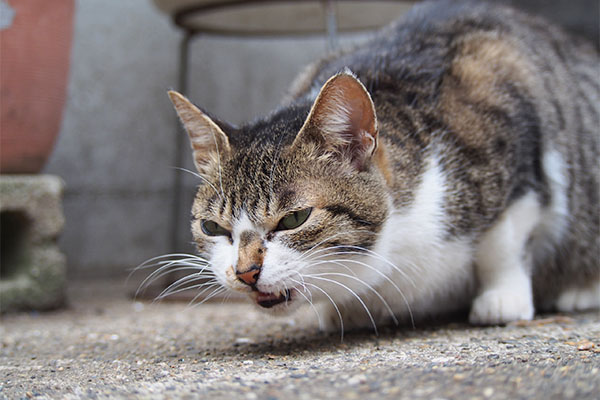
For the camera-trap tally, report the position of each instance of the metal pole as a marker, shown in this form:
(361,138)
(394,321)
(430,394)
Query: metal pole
(331,25)
(180,140)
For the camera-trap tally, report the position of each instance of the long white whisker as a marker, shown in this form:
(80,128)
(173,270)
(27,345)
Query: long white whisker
(385,303)
(201,177)
(337,310)
(150,262)
(371,253)
(198,274)
(214,285)
(404,299)
(216,292)
(355,295)
(226,297)
(174,267)
(187,279)
(319,319)
(172,292)
(315,251)
(302,280)
(168,268)
(308,252)
(325,262)
(170,255)
(169,260)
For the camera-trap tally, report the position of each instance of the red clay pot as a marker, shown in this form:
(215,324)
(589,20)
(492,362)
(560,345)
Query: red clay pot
(34,65)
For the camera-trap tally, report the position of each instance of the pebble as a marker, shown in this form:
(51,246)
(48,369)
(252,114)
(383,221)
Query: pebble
(585,345)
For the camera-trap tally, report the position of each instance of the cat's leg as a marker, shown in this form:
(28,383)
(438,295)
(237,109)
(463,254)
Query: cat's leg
(503,266)
(578,299)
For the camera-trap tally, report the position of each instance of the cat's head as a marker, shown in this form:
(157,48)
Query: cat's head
(290,209)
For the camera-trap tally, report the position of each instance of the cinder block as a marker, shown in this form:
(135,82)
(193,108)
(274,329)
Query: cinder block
(32,269)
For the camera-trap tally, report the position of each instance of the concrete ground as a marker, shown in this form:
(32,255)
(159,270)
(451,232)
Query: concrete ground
(107,346)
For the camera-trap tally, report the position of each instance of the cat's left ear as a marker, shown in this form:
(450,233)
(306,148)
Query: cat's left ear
(342,120)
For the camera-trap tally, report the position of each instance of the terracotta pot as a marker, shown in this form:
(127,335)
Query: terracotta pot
(35,49)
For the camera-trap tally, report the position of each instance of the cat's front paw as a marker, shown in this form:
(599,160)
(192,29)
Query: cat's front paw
(500,306)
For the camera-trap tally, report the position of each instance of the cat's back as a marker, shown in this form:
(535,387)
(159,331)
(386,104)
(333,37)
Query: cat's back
(510,104)
(424,44)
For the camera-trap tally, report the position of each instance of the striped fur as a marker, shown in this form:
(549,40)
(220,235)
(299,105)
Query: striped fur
(450,162)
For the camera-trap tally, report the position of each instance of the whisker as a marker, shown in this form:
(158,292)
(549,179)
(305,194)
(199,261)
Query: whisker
(183,280)
(384,276)
(385,303)
(308,253)
(226,297)
(172,292)
(201,177)
(319,319)
(315,251)
(302,280)
(216,292)
(325,262)
(367,252)
(337,310)
(355,295)
(169,267)
(148,283)
(150,262)
(173,267)
(209,287)
(374,255)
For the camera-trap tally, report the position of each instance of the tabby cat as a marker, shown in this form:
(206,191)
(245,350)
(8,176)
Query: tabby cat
(451,162)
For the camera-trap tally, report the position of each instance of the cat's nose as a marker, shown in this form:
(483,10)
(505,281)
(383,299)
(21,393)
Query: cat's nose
(250,276)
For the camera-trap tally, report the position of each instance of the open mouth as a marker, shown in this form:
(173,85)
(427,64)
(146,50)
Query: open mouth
(268,300)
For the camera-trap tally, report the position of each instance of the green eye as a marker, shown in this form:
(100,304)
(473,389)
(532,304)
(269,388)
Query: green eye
(211,228)
(294,219)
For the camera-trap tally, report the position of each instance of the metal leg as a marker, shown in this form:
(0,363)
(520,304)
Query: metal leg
(180,141)
(331,25)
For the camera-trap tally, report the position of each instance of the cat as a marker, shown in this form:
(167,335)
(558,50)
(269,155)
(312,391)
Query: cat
(450,163)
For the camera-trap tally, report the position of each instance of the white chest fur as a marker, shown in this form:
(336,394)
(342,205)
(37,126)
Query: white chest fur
(428,272)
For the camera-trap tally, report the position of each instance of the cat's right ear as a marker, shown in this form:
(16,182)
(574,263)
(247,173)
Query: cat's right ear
(209,143)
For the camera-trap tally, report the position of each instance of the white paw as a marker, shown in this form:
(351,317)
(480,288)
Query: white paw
(500,306)
(579,299)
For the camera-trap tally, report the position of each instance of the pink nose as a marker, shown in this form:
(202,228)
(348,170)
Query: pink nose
(249,277)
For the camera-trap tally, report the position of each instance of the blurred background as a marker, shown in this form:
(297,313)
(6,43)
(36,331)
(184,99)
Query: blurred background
(117,142)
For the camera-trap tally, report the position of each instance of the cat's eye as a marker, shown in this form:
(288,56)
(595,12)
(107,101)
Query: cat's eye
(293,219)
(211,228)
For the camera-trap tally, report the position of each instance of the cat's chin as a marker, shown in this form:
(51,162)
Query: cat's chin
(275,303)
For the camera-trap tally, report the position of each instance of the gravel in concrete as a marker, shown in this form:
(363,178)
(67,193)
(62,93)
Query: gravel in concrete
(108,346)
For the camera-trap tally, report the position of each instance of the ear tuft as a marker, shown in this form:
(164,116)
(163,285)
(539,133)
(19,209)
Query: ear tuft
(342,120)
(208,141)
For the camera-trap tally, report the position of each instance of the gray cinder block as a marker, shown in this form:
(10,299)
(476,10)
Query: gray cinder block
(32,269)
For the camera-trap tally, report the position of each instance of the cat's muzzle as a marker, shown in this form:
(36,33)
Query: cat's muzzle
(268,300)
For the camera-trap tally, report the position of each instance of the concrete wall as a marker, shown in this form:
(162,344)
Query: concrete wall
(116,147)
